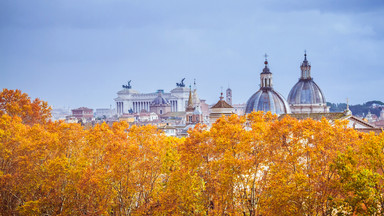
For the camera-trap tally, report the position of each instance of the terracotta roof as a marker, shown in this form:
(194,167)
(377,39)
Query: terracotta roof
(222,104)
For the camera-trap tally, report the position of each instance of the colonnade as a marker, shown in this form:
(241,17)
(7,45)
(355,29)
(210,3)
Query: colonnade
(173,105)
(142,105)
(138,106)
(120,107)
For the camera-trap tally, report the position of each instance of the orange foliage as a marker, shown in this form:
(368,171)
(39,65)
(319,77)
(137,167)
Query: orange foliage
(242,165)
(15,103)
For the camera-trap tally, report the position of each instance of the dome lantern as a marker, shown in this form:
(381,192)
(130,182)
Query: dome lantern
(305,68)
(266,75)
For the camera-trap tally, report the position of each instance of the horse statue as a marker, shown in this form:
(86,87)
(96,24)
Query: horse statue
(128,86)
(181,84)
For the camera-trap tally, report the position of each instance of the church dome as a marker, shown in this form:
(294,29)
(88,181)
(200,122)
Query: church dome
(267,99)
(160,100)
(306,91)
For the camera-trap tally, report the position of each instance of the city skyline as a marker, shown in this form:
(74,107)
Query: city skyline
(72,53)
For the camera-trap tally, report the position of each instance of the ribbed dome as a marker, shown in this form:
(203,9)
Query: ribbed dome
(306,91)
(160,100)
(267,100)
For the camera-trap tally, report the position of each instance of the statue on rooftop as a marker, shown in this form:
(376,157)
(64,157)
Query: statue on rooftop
(128,86)
(181,84)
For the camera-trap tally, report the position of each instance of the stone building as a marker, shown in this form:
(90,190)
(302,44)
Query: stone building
(83,113)
(193,112)
(219,109)
(131,101)
(160,105)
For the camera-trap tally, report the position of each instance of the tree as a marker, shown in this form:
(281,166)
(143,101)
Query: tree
(243,165)
(15,103)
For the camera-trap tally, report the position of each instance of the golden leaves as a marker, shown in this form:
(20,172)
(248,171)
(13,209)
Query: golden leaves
(242,165)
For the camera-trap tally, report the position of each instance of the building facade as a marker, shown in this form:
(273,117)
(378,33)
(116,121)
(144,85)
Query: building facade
(131,101)
(160,105)
(219,109)
(83,113)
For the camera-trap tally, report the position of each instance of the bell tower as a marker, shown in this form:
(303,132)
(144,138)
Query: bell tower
(229,96)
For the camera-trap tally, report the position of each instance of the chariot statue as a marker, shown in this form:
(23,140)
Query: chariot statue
(128,86)
(181,84)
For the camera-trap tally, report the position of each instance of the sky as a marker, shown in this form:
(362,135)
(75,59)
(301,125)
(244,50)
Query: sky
(74,53)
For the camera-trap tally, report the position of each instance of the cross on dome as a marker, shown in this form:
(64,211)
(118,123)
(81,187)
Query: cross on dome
(266,59)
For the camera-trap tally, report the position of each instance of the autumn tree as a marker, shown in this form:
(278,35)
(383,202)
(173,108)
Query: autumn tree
(16,103)
(361,177)
(255,164)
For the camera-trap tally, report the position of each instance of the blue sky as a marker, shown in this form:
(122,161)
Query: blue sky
(79,53)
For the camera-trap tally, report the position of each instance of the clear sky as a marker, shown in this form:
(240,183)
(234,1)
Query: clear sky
(79,52)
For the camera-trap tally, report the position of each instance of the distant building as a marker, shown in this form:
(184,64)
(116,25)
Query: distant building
(377,121)
(130,118)
(381,114)
(370,118)
(239,109)
(219,109)
(104,113)
(131,101)
(168,130)
(228,96)
(147,117)
(160,105)
(83,113)
(354,122)
(193,112)
(71,119)
(60,113)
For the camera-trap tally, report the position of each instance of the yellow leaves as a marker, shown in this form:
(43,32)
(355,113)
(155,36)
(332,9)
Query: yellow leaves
(247,165)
